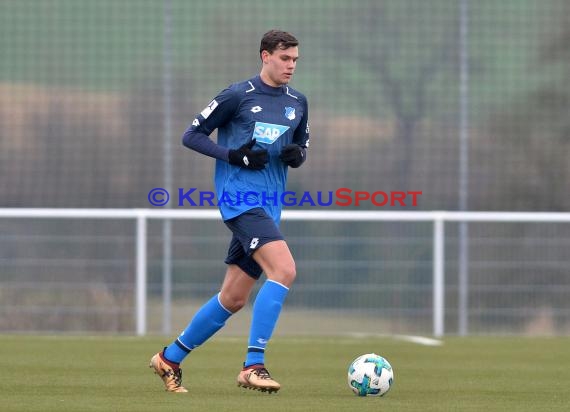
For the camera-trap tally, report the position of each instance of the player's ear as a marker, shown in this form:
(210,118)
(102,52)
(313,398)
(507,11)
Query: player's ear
(264,56)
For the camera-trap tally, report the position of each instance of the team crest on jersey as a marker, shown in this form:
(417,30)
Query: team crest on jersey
(290,113)
(267,132)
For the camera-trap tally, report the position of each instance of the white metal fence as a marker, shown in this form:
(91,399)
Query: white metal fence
(519,269)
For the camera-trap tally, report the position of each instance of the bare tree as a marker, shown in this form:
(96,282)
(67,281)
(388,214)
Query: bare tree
(404,80)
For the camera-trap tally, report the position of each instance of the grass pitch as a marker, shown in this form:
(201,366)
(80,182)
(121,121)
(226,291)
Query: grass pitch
(111,374)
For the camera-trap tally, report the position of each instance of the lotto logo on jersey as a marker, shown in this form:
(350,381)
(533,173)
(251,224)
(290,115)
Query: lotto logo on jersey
(267,132)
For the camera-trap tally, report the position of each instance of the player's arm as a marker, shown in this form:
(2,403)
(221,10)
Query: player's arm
(219,112)
(216,114)
(295,154)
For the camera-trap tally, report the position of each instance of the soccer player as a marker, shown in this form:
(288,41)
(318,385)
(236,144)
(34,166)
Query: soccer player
(262,131)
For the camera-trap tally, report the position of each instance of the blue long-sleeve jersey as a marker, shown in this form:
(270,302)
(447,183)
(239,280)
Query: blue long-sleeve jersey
(275,117)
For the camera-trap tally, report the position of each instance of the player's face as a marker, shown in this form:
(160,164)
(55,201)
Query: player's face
(279,66)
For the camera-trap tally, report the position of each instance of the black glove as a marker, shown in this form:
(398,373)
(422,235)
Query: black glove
(293,155)
(247,158)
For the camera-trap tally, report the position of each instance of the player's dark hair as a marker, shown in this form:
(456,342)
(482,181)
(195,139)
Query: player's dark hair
(277,39)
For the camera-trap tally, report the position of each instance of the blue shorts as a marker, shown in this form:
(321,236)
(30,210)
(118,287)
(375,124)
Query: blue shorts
(251,230)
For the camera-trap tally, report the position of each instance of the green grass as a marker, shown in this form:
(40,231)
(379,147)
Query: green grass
(111,374)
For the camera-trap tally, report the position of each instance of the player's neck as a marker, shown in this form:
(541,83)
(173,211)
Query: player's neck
(267,80)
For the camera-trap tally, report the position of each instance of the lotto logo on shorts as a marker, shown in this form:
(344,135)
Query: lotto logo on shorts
(267,132)
(254,243)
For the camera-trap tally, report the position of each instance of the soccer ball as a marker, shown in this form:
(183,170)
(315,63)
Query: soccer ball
(370,375)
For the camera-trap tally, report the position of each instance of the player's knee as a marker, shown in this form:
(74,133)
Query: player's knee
(237,305)
(285,274)
(232,302)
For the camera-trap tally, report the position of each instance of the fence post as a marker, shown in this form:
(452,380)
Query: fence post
(438,275)
(140,299)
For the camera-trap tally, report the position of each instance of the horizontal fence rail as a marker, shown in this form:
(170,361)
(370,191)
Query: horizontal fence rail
(142,216)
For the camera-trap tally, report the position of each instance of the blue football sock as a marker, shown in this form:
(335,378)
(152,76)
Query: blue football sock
(210,318)
(266,310)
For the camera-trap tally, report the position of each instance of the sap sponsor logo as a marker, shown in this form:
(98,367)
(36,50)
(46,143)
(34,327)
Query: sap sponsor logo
(267,132)
(209,109)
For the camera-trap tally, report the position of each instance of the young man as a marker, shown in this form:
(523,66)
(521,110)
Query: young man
(262,131)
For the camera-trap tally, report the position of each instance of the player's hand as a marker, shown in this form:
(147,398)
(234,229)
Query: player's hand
(293,155)
(247,158)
